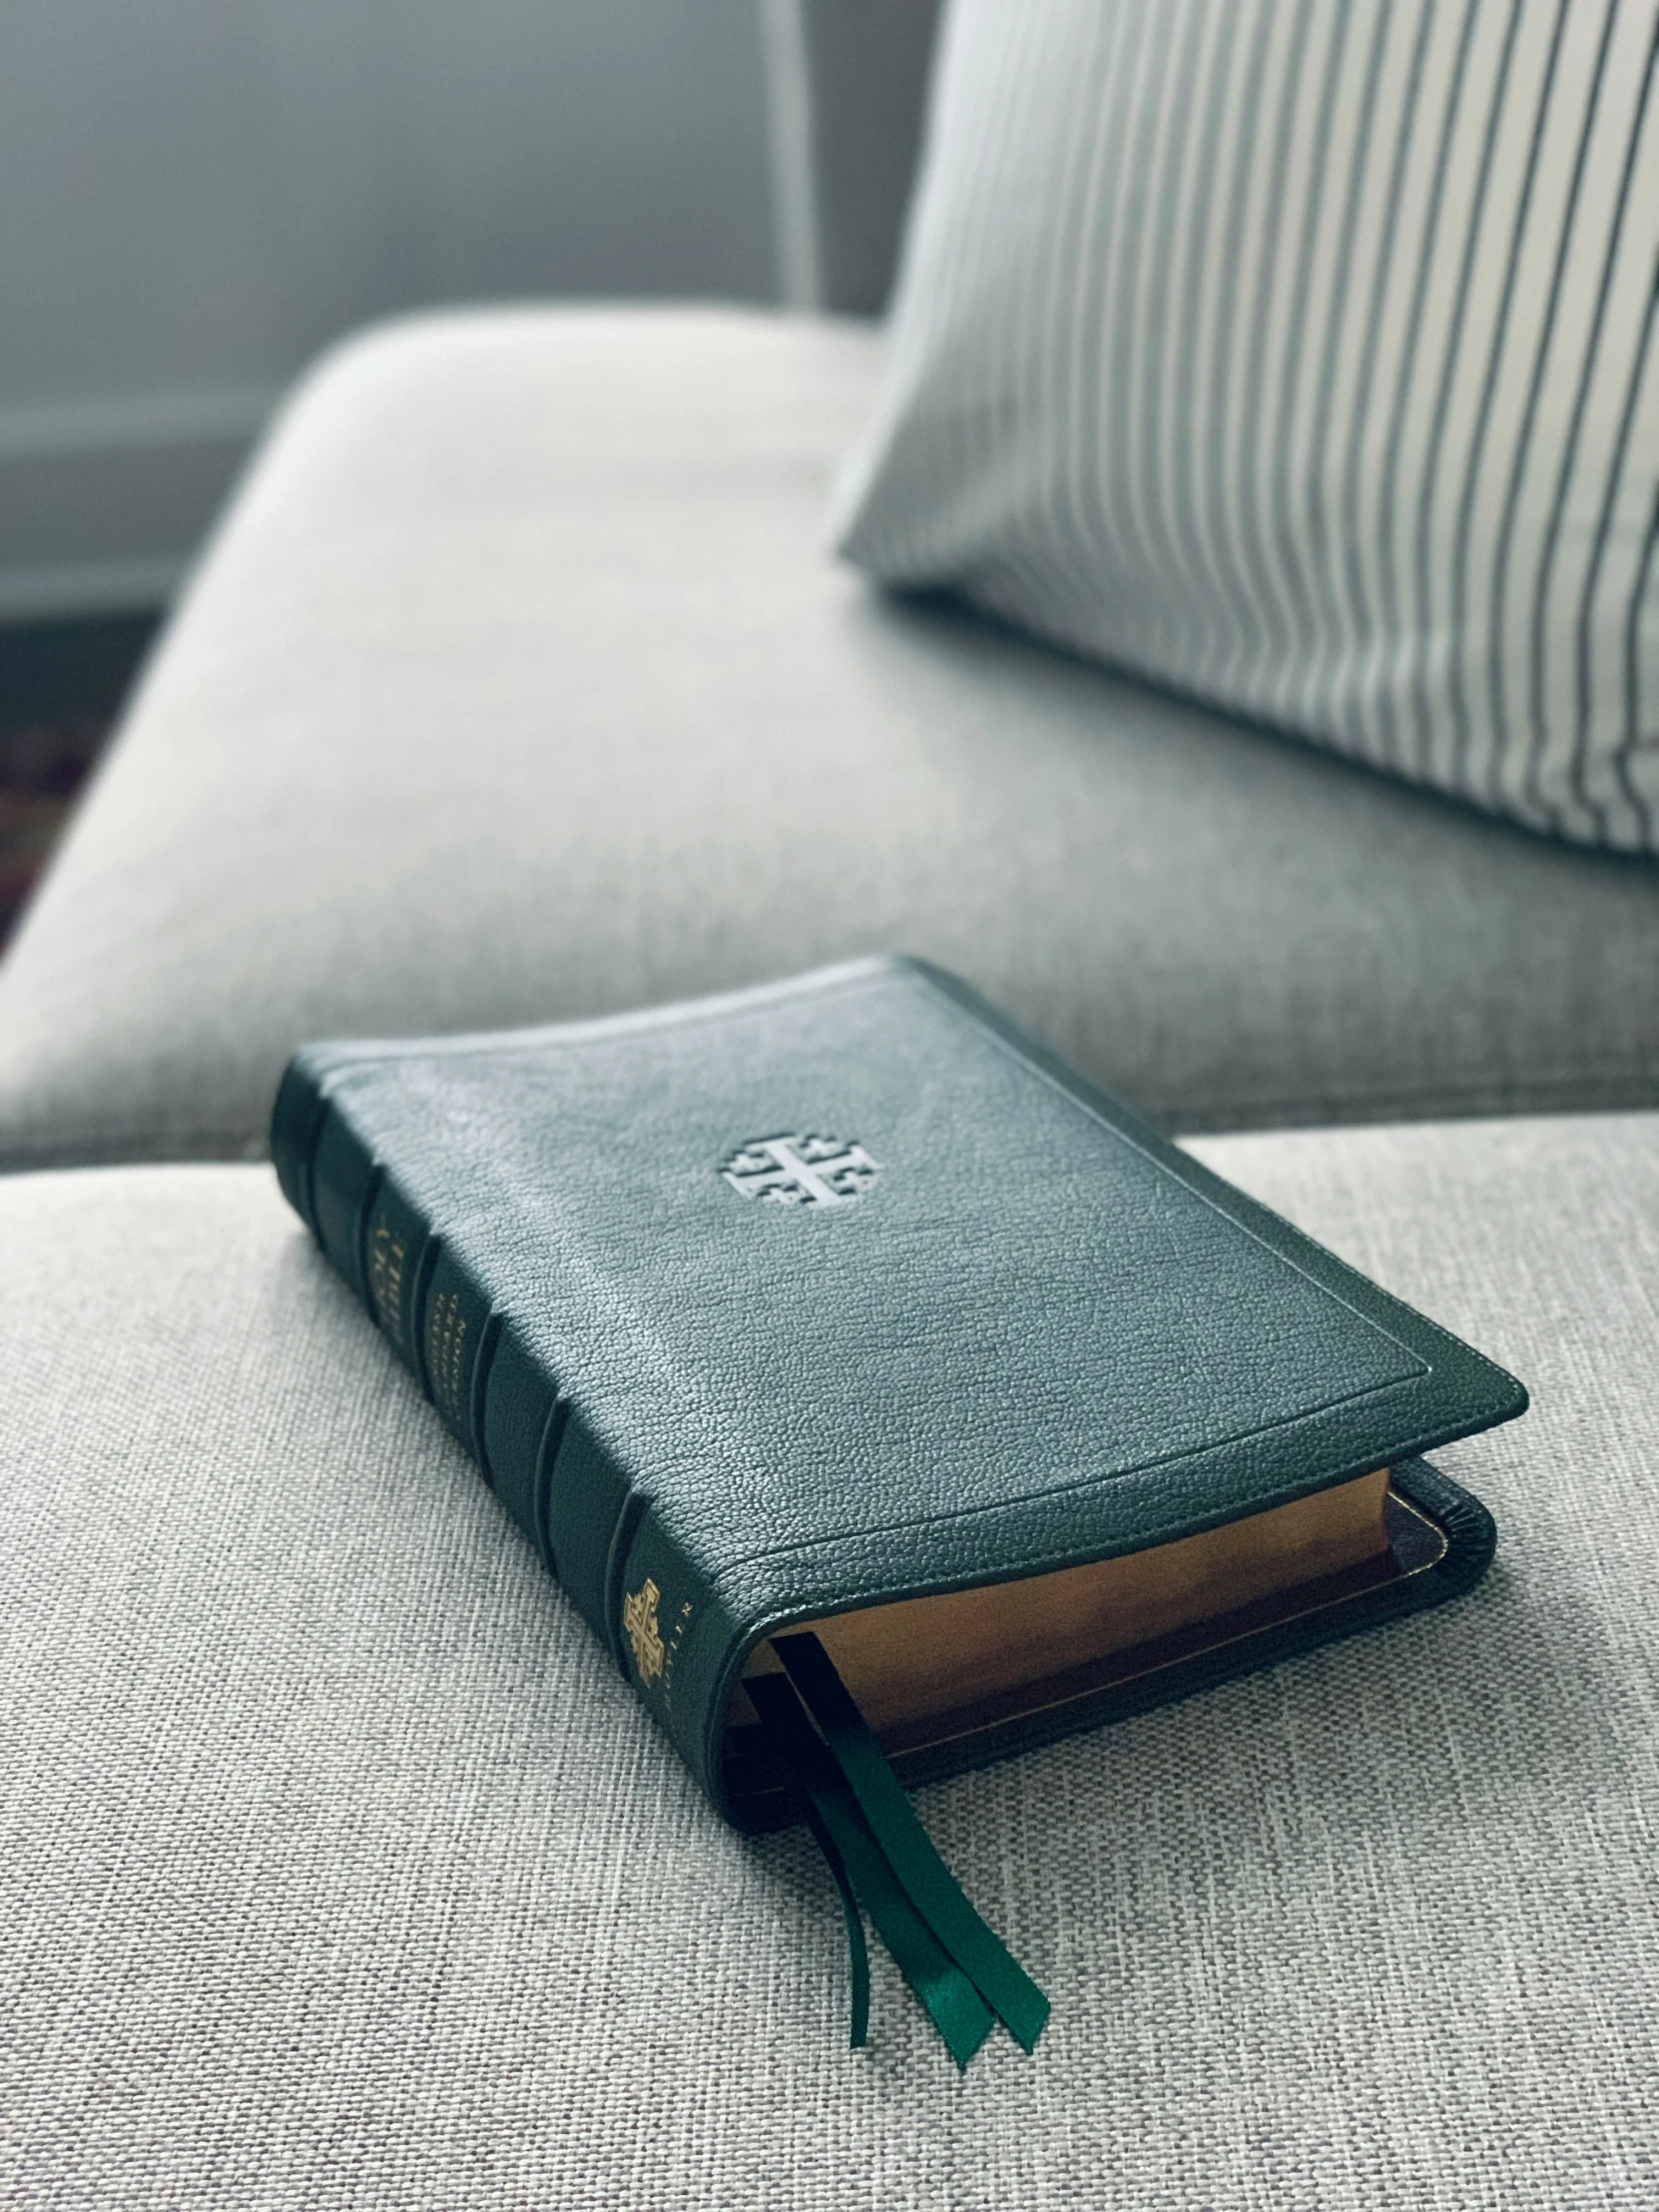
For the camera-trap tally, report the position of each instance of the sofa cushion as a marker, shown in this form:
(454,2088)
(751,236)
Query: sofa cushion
(520,686)
(1305,360)
(340,1868)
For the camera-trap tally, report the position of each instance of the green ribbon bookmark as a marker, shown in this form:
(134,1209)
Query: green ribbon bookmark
(855,1859)
(858,1950)
(904,1844)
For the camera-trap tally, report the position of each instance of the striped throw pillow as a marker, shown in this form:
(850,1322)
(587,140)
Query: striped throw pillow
(1301,354)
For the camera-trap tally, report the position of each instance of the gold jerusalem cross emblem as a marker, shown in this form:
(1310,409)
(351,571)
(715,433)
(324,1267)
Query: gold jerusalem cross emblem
(801,1171)
(639,1623)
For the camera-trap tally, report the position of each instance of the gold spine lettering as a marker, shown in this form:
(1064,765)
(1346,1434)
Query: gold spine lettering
(386,1280)
(446,1353)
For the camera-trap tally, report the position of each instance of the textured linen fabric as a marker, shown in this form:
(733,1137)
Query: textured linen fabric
(1303,357)
(339,1869)
(521,685)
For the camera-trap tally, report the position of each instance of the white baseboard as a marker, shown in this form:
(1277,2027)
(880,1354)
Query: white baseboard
(104,503)
(89,588)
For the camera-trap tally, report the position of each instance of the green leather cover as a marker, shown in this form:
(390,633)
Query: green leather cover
(839,1291)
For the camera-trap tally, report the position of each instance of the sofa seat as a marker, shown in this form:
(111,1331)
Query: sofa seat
(339,1869)
(520,684)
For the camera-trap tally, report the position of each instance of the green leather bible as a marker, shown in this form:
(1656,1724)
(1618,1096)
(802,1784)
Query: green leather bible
(886,1399)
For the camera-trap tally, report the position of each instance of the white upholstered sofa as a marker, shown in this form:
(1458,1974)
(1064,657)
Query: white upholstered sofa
(340,1869)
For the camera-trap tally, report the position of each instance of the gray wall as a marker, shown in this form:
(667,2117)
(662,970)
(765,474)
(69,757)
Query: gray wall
(196,195)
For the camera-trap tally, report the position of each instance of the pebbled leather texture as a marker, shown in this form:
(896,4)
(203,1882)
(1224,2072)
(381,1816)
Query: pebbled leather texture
(1030,1334)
